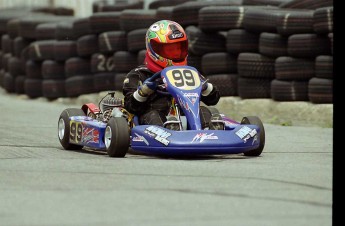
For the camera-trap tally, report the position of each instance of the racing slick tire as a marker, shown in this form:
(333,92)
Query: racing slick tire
(253,120)
(116,137)
(64,128)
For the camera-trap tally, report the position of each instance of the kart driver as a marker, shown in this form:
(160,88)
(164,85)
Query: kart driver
(166,45)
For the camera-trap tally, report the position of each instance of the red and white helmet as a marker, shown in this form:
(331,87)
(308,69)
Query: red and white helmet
(166,45)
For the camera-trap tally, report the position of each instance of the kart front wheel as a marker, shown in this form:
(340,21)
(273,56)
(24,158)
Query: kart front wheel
(253,120)
(116,137)
(64,128)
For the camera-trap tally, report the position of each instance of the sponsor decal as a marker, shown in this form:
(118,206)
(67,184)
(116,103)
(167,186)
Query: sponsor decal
(90,135)
(139,138)
(246,133)
(159,134)
(192,97)
(184,104)
(204,136)
(176,35)
(255,139)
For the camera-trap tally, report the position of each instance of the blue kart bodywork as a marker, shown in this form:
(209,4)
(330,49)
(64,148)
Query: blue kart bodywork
(236,138)
(158,140)
(184,85)
(89,132)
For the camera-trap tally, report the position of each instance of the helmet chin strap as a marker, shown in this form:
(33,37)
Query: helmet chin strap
(151,65)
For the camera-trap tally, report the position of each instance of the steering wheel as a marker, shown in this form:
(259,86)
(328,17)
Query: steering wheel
(161,89)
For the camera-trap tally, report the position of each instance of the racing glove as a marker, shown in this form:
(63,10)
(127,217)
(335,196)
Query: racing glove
(147,88)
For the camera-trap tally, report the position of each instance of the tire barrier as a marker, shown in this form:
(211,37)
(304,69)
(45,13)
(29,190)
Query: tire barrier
(45,31)
(272,44)
(77,66)
(242,41)
(278,49)
(295,22)
(102,63)
(218,63)
(324,67)
(282,90)
(290,68)
(104,21)
(64,31)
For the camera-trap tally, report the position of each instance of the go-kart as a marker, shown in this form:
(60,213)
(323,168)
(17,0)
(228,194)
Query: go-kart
(111,128)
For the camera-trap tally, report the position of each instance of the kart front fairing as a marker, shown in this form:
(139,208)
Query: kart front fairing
(159,140)
(184,85)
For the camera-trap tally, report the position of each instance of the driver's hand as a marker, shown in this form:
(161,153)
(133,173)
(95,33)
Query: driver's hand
(147,88)
(204,86)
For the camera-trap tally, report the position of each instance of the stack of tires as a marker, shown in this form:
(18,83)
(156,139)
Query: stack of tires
(278,49)
(283,51)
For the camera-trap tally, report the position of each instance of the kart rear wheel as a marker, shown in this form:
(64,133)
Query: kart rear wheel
(253,120)
(64,128)
(116,137)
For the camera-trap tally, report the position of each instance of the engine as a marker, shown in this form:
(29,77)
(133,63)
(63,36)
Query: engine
(107,104)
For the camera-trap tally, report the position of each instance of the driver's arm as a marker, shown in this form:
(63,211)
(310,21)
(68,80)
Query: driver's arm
(210,94)
(212,97)
(132,103)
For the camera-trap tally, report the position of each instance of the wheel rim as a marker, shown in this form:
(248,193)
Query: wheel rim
(61,128)
(107,137)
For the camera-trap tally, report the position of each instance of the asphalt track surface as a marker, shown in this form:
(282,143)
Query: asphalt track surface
(42,184)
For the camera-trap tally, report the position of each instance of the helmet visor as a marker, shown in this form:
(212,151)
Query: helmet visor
(176,51)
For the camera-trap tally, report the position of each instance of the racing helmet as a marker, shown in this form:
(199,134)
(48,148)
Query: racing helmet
(166,45)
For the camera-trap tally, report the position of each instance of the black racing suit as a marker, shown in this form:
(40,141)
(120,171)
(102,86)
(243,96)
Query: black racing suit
(153,111)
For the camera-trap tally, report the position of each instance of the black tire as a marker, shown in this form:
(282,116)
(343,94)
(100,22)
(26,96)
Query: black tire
(272,44)
(45,31)
(64,122)
(77,66)
(87,45)
(135,41)
(41,50)
(226,83)
(291,90)
(125,61)
(254,88)
(164,12)
(218,63)
(112,41)
(64,31)
(53,88)
(255,65)
(199,41)
(132,19)
(33,87)
(320,90)
(116,137)
(104,21)
(79,85)
(65,49)
(306,4)
(308,45)
(81,27)
(254,120)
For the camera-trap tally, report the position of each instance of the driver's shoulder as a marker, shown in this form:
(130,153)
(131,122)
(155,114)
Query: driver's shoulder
(142,71)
